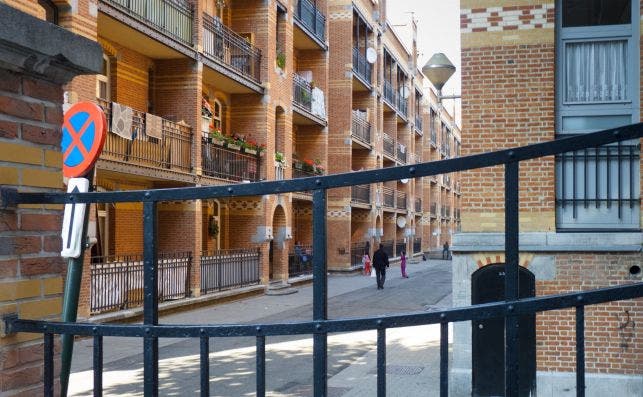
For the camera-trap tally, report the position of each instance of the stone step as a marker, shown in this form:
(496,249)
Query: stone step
(280,288)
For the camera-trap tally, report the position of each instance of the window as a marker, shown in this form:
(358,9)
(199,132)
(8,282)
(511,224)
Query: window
(217,116)
(597,87)
(102,81)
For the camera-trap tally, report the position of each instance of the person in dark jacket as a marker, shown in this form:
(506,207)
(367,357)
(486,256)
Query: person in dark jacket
(380,263)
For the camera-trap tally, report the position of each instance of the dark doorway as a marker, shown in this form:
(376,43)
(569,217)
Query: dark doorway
(270,260)
(488,336)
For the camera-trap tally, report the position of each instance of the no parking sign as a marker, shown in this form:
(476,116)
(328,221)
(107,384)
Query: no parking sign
(84,131)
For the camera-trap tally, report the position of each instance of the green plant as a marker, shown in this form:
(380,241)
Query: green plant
(279,157)
(281,60)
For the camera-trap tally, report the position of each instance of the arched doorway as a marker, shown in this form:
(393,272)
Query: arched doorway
(278,254)
(488,336)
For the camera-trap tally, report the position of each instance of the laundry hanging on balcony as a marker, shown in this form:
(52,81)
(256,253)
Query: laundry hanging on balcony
(153,126)
(122,120)
(318,106)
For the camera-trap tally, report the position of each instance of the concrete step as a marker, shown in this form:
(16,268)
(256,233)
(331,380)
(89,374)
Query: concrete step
(280,288)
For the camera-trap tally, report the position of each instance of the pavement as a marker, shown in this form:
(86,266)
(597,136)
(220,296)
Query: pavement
(412,353)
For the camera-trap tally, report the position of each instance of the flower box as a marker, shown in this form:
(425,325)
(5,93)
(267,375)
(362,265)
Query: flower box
(232,146)
(218,142)
(250,151)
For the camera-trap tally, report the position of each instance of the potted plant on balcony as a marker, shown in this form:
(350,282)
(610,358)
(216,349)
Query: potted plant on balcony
(280,158)
(308,165)
(217,137)
(319,168)
(234,142)
(250,146)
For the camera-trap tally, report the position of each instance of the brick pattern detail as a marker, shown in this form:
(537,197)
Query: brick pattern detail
(496,19)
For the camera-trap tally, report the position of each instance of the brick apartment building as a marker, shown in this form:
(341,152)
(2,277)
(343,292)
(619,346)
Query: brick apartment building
(214,92)
(534,71)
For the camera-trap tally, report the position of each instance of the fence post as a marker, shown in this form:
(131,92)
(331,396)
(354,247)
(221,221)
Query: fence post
(150,309)
(320,286)
(512,347)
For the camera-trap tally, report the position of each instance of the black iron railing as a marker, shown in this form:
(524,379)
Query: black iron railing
(361,66)
(400,200)
(388,145)
(361,128)
(388,196)
(300,261)
(387,246)
(510,309)
(302,92)
(228,163)
(116,282)
(172,17)
(389,93)
(311,18)
(169,148)
(227,269)
(361,194)
(402,105)
(417,245)
(226,46)
(399,247)
(358,249)
(401,153)
(433,136)
(418,123)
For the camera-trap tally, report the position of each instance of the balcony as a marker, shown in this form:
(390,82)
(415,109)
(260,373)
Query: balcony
(228,163)
(402,106)
(309,102)
(434,209)
(400,200)
(418,124)
(311,20)
(361,194)
(361,67)
(418,205)
(388,195)
(225,46)
(433,138)
(172,18)
(389,94)
(361,128)
(388,144)
(401,154)
(169,148)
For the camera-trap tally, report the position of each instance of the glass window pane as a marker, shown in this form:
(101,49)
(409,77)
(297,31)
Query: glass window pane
(594,123)
(596,12)
(596,71)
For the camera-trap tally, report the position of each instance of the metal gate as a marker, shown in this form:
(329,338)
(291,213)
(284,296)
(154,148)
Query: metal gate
(510,309)
(488,335)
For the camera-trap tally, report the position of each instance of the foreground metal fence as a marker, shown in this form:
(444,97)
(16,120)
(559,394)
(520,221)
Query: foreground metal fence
(320,326)
(226,269)
(117,282)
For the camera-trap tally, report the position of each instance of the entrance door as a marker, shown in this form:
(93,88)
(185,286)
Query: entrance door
(488,336)
(270,260)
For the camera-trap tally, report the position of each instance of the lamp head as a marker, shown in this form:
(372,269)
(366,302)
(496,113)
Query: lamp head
(438,70)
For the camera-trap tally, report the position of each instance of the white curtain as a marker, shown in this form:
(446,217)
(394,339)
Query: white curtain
(596,71)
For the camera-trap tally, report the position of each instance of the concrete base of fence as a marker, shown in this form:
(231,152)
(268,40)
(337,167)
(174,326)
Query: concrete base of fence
(180,304)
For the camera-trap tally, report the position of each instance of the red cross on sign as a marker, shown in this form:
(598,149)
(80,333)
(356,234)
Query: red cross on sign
(84,131)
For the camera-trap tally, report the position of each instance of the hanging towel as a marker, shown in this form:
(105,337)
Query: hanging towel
(122,120)
(318,105)
(153,126)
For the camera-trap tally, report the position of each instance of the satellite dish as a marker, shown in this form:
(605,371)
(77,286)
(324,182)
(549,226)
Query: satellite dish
(371,55)
(404,181)
(401,221)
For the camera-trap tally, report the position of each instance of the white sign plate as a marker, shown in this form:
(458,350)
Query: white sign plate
(73,220)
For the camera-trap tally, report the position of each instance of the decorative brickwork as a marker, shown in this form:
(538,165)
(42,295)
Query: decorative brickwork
(494,19)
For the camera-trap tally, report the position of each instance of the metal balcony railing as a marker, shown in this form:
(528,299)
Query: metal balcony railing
(402,106)
(361,128)
(389,93)
(170,148)
(388,144)
(311,18)
(226,46)
(361,194)
(228,269)
(402,153)
(229,164)
(400,199)
(171,17)
(418,123)
(510,310)
(361,66)
(116,282)
(433,138)
(388,195)
(302,92)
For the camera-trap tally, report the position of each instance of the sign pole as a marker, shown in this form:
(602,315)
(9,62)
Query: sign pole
(70,302)
(83,135)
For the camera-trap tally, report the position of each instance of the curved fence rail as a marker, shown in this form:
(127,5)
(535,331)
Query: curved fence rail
(321,326)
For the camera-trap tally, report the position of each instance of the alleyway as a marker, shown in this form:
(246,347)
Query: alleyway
(412,354)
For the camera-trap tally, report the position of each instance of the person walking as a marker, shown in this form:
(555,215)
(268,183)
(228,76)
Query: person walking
(366,263)
(445,250)
(403,264)
(380,263)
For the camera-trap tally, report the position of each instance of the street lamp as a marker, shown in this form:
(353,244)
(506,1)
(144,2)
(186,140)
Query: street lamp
(438,70)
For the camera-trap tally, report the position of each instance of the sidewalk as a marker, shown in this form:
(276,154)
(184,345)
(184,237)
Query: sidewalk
(412,353)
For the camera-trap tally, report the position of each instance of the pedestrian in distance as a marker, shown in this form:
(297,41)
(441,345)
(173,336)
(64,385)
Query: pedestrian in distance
(445,251)
(403,264)
(366,263)
(380,263)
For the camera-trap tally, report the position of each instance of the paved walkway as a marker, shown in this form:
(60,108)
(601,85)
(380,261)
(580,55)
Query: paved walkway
(412,353)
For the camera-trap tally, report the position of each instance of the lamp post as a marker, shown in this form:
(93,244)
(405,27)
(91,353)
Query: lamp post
(438,70)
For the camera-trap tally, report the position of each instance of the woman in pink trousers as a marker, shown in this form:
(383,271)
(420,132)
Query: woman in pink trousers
(403,264)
